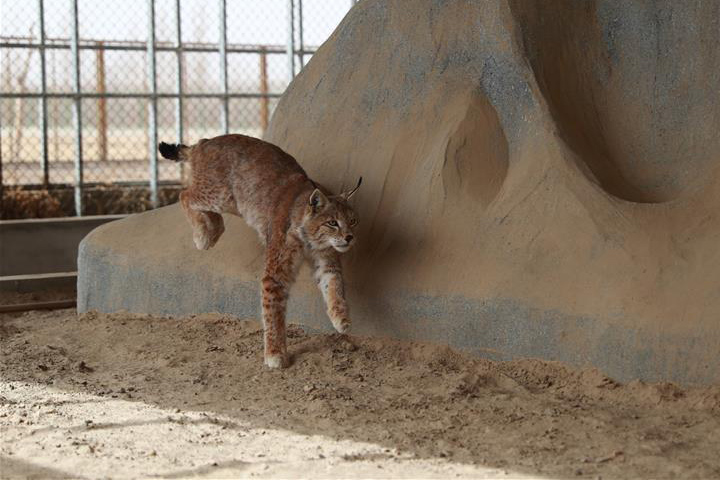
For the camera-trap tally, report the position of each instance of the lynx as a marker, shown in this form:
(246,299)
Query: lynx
(295,218)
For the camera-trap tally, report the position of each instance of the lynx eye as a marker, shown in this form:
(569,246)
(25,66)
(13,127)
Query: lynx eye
(332,223)
(353,222)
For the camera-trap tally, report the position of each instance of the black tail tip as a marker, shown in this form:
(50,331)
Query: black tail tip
(169,151)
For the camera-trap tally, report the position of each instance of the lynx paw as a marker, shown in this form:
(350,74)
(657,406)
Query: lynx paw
(342,325)
(202,240)
(276,361)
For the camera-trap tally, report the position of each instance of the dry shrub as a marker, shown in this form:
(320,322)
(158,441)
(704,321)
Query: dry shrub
(18,203)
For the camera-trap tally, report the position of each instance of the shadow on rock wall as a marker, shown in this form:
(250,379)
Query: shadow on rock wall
(632,88)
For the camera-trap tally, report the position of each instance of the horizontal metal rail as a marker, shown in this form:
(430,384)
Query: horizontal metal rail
(119,183)
(138,95)
(159,47)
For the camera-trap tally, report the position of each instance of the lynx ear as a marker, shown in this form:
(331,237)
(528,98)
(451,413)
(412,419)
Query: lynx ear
(347,195)
(317,200)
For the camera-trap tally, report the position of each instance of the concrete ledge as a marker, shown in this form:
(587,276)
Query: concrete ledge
(46,245)
(117,273)
(38,282)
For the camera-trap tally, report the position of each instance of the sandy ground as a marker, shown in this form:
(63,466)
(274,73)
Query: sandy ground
(126,396)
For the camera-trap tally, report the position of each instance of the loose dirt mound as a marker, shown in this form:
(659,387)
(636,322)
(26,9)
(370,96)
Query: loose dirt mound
(133,396)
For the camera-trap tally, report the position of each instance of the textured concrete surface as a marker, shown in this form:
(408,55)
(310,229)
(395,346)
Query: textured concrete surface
(44,245)
(539,181)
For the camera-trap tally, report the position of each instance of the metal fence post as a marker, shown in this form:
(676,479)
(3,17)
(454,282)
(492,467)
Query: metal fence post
(43,100)
(264,103)
(301,41)
(290,50)
(77,110)
(102,125)
(223,67)
(152,105)
(179,82)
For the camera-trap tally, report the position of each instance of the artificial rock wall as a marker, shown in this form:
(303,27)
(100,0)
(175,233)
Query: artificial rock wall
(540,179)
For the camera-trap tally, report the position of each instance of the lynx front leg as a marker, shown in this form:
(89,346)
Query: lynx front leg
(328,274)
(280,271)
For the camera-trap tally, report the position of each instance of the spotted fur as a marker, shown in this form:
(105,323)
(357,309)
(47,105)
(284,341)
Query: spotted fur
(295,218)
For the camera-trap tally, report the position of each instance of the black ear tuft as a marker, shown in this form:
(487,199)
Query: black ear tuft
(352,192)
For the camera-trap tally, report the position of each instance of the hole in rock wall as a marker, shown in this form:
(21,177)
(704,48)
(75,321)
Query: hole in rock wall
(476,157)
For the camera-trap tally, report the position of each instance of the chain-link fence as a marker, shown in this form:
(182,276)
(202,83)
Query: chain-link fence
(88,87)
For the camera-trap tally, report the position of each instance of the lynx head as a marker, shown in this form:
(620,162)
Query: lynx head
(330,221)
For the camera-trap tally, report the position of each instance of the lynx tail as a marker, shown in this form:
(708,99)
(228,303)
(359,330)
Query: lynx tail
(173,151)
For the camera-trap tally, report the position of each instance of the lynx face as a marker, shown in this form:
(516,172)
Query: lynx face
(329,222)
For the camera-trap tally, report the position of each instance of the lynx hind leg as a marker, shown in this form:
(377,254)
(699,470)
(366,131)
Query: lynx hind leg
(274,300)
(207,226)
(282,259)
(217,227)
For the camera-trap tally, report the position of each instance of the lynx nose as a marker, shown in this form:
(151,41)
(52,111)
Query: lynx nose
(348,238)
